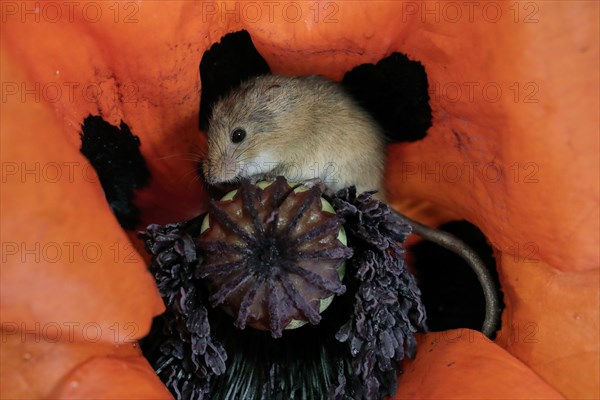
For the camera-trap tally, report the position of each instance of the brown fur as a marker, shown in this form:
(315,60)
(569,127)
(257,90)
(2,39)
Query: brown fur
(299,127)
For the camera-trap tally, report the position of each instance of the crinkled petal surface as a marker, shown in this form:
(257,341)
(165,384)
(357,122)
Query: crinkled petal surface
(70,278)
(129,377)
(464,364)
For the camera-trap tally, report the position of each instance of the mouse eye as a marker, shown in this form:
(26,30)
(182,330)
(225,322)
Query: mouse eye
(238,135)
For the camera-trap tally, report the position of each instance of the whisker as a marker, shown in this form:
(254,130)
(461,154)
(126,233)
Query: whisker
(195,178)
(191,157)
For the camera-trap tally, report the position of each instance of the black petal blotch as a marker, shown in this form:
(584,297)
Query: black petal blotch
(396,93)
(451,292)
(114,152)
(224,66)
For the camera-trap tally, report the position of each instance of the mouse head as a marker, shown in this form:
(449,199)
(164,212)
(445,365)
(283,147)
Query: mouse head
(247,127)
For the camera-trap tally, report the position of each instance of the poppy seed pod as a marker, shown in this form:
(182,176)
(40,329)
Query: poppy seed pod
(275,254)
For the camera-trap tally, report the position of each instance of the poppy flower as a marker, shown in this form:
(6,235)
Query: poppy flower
(512,149)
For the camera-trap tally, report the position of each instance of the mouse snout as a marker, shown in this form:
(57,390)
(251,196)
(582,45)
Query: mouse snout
(221,170)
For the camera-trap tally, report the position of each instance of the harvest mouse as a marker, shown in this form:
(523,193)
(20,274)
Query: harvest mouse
(299,127)
(305,128)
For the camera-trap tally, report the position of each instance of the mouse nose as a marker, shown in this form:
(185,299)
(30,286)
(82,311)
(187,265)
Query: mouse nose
(223,170)
(205,172)
(227,171)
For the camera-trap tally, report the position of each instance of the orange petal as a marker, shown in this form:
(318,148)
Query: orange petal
(66,261)
(463,364)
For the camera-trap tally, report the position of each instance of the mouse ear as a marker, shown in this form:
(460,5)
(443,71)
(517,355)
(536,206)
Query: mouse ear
(272,93)
(278,97)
